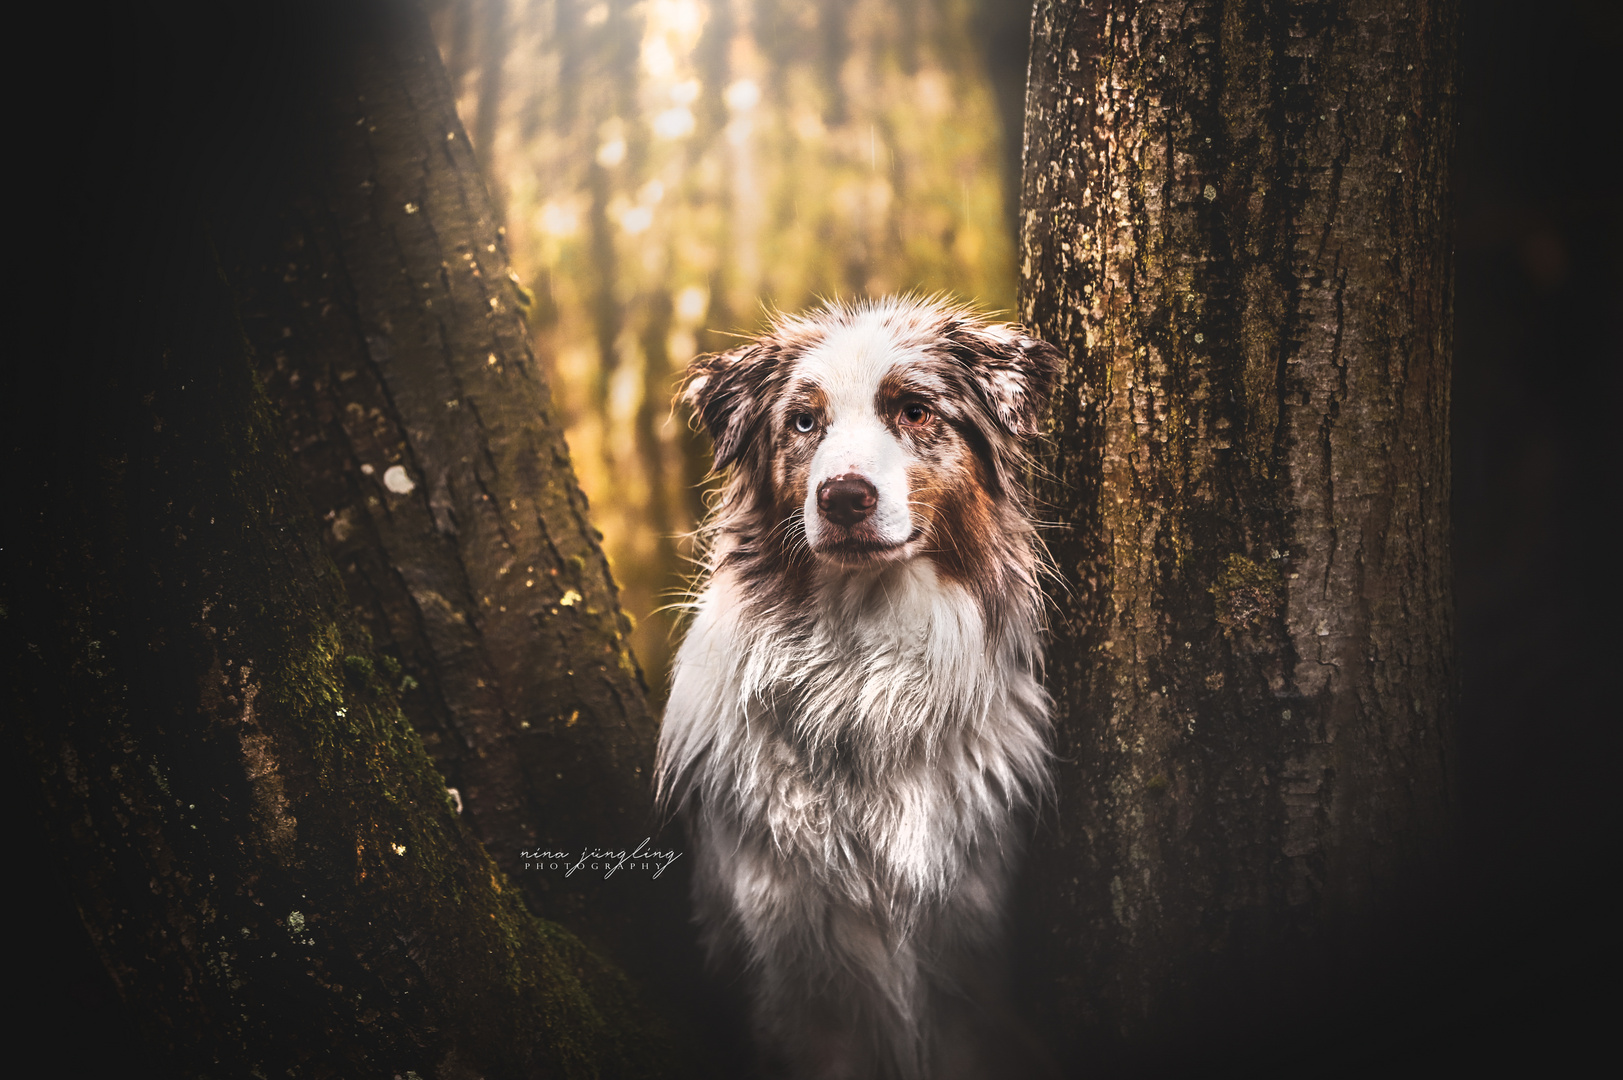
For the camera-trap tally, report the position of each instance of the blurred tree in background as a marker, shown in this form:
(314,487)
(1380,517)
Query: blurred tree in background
(670,169)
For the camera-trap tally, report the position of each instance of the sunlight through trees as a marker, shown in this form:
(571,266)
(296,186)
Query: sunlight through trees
(670,168)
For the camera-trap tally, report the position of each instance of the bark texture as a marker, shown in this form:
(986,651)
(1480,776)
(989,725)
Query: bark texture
(261,849)
(389,330)
(265,856)
(1236,219)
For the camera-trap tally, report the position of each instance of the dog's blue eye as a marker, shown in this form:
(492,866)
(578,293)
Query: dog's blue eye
(804,423)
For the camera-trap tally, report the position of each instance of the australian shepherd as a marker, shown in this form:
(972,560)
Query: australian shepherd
(857,729)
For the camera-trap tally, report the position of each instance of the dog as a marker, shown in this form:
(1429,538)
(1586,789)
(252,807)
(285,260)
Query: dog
(857,731)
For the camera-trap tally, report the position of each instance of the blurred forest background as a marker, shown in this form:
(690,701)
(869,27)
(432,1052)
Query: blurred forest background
(671,170)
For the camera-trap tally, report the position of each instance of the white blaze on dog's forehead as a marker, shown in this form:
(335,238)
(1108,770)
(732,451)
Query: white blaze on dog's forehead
(848,365)
(850,361)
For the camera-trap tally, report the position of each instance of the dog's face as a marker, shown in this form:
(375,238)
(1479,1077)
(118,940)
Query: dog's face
(878,432)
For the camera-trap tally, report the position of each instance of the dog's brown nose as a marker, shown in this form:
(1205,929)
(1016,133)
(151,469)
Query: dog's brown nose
(846,500)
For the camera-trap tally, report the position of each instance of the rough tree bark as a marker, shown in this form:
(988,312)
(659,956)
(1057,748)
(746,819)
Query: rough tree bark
(388,329)
(259,845)
(1236,219)
(261,849)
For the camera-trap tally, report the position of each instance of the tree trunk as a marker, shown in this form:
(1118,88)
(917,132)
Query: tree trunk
(1236,219)
(264,854)
(261,848)
(388,328)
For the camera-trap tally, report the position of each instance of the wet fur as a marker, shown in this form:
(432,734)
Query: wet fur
(855,741)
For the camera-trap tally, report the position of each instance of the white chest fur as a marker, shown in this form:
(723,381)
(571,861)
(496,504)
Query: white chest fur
(873,744)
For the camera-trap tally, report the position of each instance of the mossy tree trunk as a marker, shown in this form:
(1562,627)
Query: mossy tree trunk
(1235,218)
(261,848)
(388,328)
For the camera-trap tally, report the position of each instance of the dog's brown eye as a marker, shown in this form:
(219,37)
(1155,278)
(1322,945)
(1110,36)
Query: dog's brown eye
(915,415)
(804,423)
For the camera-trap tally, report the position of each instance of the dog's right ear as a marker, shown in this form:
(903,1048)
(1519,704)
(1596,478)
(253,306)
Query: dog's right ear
(728,394)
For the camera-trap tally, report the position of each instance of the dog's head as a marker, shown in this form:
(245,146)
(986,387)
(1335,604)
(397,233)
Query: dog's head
(884,430)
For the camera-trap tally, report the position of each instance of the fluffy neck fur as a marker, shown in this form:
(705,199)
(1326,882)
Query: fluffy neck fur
(876,731)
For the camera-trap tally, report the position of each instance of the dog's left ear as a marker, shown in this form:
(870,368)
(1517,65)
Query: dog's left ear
(1014,371)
